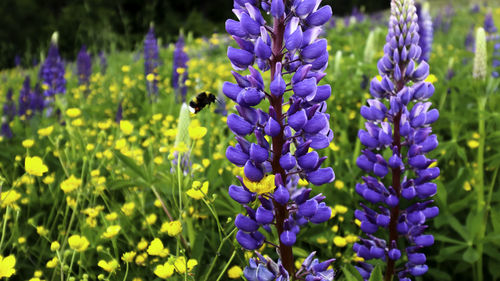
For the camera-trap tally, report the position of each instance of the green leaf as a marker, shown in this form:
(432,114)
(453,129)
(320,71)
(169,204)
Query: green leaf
(351,273)
(300,252)
(446,239)
(134,168)
(470,255)
(376,274)
(458,227)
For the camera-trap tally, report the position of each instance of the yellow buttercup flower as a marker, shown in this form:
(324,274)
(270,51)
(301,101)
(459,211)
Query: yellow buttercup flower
(339,241)
(473,144)
(150,77)
(52,263)
(172,228)
(181,265)
(198,193)
(339,184)
(7,265)
(78,243)
(28,143)
(108,266)
(164,271)
(34,166)
(234,272)
(128,208)
(9,197)
(156,248)
(125,68)
(126,127)
(197,132)
(266,185)
(70,184)
(128,256)
(54,246)
(111,231)
(73,112)
(431,78)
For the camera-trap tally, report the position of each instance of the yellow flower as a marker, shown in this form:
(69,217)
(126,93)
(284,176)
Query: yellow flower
(142,244)
(431,78)
(156,248)
(334,147)
(126,127)
(34,166)
(125,68)
(164,271)
(341,209)
(128,256)
(78,243)
(197,132)
(467,186)
(264,186)
(28,143)
(21,240)
(52,263)
(77,122)
(111,231)
(171,228)
(8,197)
(73,112)
(109,266)
(7,266)
(473,144)
(54,246)
(42,231)
(150,77)
(49,179)
(128,208)
(181,70)
(339,241)
(339,184)
(198,193)
(234,272)
(151,219)
(70,184)
(111,216)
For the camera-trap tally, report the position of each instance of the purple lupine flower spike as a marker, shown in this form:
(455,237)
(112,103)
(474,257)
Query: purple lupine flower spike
(17,61)
(83,66)
(52,73)
(425,32)
(179,70)
(272,168)
(470,40)
(119,113)
(9,111)
(37,100)
(151,62)
(496,61)
(489,24)
(398,120)
(24,97)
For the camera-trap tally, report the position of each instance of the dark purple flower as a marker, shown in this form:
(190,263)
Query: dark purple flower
(425,32)
(180,70)
(24,97)
(52,73)
(83,66)
(151,62)
(489,24)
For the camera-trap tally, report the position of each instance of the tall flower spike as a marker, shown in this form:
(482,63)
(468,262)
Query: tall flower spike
(296,125)
(24,98)
(425,31)
(151,62)
(180,71)
(9,111)
(480,57)
(398,121)
(52,73)
(103,62)
(83,66)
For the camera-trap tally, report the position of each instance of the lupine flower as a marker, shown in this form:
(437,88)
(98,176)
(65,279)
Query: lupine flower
(398,121)
(103,62)
(24,97)
(271,169)
(9,111)
(425,32)
(496,61)
(469,40)
(83,66)
(119,112)
(151,62)
(52,73)
(475,9)
(357,15)
(179,70)
(480,57)
(489,24)
(17,61)
(37,99)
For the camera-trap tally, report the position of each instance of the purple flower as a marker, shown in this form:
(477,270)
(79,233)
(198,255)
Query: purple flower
(179,70)
(489,24)
(401,98)
(83,66)
(425,32)
(24,97)
(52,73)
(272,168)
(103,62)
(496,61)
(9,111)
(151,62)
(470,40)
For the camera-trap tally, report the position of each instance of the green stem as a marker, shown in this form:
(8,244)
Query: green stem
(480,181)
(217,254)
(126,272)
(5,218)
(71,264)
(227,265)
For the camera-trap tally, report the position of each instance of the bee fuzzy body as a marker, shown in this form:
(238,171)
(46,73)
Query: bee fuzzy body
(201,101)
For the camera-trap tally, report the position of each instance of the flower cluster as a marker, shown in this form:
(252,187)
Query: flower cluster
(289,133)
(83,66)
(52,73)
(151,61)
(398,120)
(9,111)
(489,26)
(496,61)
(179,70)
(425,31)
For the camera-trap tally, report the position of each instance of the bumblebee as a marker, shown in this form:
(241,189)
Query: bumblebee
(200,101)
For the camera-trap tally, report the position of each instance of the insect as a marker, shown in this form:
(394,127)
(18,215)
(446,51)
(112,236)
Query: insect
(200,101)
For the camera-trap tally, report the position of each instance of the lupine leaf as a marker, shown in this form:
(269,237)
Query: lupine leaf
(376,274)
